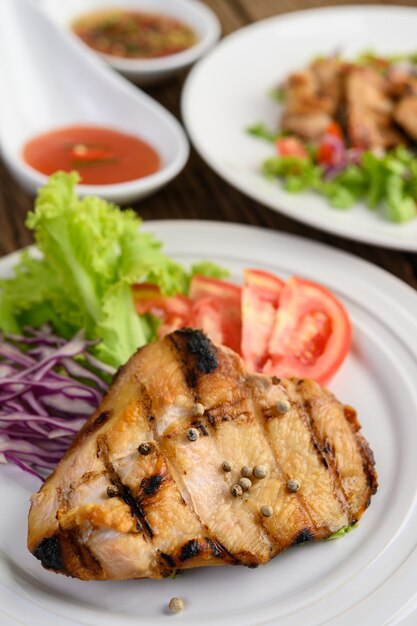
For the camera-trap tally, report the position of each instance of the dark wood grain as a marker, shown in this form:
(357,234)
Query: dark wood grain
(198,193)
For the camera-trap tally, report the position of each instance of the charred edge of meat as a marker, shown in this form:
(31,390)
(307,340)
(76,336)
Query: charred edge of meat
(303,536)
(86,558)
(200,348)
(169,560)
(90,427)
(189,550)
(166,573)
(368,464)
(219,551)
(103,417)
(352,418)
(198,424)
(48,551)
(151,484)
(368,459)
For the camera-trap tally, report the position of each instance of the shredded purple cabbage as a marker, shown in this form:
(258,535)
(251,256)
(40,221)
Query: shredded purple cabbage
(48,388)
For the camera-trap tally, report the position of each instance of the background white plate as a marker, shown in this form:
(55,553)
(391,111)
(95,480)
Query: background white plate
(228,91)
(368,577)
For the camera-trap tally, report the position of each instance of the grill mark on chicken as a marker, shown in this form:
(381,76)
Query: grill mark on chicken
(192,381)
(189,550)
(87,559)
(216,548)
(151,484)
(220,552)
(300,500)
(204,548)
(200,426)
(303,536)
(326,458)
(291,390)
(124,492)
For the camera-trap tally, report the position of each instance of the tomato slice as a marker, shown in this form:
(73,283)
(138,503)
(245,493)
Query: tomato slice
(291,146)
(260,298)
(207,315)
(173,311)
(202,286)
(312,333)
(334,129)
(331,149)
(217,310)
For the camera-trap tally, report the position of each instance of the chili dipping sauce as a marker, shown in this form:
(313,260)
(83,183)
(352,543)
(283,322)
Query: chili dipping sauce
(133,34)
(101,156)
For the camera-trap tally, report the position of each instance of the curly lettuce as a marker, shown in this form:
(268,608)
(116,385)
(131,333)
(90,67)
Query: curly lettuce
(91,253)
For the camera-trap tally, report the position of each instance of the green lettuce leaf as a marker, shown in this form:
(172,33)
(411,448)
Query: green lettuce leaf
(341,532)
(92,252)
(388,182)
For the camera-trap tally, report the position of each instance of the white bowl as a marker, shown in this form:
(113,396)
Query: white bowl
(63,84)
(145,71)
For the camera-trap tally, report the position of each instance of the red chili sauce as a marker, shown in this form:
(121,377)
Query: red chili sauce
(100,155)
(133,34)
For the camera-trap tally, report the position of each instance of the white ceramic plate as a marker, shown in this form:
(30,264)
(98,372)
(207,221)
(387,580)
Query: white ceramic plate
(368,577)
(228,91)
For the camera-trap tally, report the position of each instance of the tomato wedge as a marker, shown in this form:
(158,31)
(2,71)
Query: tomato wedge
(331,149)
(291,146)
(173,311)
(312,333)
(202,286)
(217,310)
(260,298)
(207,314)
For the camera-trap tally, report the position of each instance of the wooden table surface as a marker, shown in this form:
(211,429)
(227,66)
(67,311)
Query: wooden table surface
(198,193)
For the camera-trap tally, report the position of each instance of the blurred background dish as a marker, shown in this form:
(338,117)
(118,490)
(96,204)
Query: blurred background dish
(146,40)
(72,88)
(239,98)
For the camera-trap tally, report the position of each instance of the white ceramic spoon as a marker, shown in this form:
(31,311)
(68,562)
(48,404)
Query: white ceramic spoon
(47,81)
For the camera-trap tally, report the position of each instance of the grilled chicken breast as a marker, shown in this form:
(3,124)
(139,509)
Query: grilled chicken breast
(142,492)
(370,110)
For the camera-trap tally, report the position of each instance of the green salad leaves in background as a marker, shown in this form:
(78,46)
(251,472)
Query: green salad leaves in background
(385,182)
(91,254)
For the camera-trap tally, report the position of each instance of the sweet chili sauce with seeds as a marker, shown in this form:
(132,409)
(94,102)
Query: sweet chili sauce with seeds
(134,34)
(101,156)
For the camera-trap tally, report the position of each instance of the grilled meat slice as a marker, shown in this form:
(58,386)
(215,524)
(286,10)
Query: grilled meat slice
(313,98)
(370,110)
(406,115)
(307,112)
(330,76)
(310,126)
(115,508)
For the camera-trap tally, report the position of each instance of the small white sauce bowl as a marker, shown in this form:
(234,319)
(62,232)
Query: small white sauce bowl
(64,84)
(146,71)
